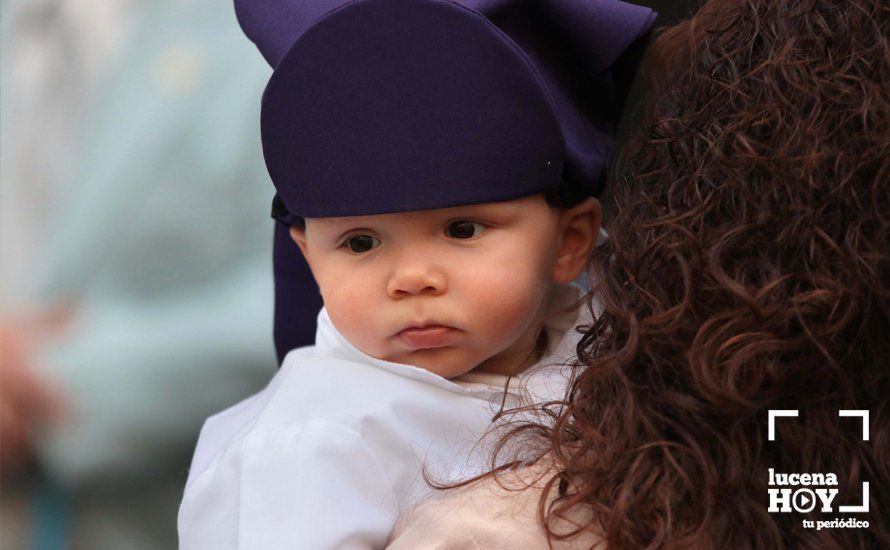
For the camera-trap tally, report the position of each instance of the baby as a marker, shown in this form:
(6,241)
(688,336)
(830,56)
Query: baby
(438,178)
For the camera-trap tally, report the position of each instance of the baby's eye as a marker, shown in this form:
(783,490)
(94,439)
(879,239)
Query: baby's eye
(361,243)
(464,229)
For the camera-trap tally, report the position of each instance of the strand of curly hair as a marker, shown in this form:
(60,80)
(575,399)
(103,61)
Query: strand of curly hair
(747,270)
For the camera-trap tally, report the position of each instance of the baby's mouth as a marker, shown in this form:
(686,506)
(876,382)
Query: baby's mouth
(427,337)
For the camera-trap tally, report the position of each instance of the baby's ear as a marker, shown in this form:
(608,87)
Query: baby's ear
(579,231)
(298,234)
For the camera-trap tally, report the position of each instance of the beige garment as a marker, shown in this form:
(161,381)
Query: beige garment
(489,515)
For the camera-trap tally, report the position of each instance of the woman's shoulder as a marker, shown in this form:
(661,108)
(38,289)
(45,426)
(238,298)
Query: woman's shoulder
(494,513)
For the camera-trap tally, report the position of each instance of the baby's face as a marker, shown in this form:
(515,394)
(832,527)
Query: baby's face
(447,290)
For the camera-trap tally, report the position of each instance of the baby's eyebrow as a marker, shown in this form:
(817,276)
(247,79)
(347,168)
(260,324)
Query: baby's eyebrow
(486,209)
(335,229)
(342,233)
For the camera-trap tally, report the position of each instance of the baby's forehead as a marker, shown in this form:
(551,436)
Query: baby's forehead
(484,210)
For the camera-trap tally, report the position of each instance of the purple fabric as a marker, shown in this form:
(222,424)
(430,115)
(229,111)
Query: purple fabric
(599,28)
(297,299)
(274,25)
(380,106)
(389,105)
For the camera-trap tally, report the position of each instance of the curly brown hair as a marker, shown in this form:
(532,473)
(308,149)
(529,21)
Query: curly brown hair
(747,270)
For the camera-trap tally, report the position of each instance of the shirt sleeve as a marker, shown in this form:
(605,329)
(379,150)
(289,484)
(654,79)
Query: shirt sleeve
(317,485)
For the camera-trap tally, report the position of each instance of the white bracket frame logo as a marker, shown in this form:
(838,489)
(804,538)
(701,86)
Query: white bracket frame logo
(863,414)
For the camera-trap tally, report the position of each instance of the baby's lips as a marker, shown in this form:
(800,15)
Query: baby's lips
(428,337)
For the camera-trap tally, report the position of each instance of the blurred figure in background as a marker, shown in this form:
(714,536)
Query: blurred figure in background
(135,260)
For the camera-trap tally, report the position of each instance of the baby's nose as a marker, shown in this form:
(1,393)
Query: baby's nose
(418,278)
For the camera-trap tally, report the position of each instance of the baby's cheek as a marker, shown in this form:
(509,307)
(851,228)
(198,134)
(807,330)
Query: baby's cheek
(349,310)
(347,293)
(506,309)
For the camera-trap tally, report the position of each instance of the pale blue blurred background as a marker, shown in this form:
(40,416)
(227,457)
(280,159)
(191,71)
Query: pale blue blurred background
(135,257)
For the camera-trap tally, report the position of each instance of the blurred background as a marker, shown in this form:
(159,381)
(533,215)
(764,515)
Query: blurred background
(135,258)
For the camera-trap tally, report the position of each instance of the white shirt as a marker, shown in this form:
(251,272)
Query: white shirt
(336,447)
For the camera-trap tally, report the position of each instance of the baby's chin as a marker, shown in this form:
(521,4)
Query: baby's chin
(447,362)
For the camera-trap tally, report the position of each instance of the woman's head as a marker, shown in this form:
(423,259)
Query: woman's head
(748,270)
